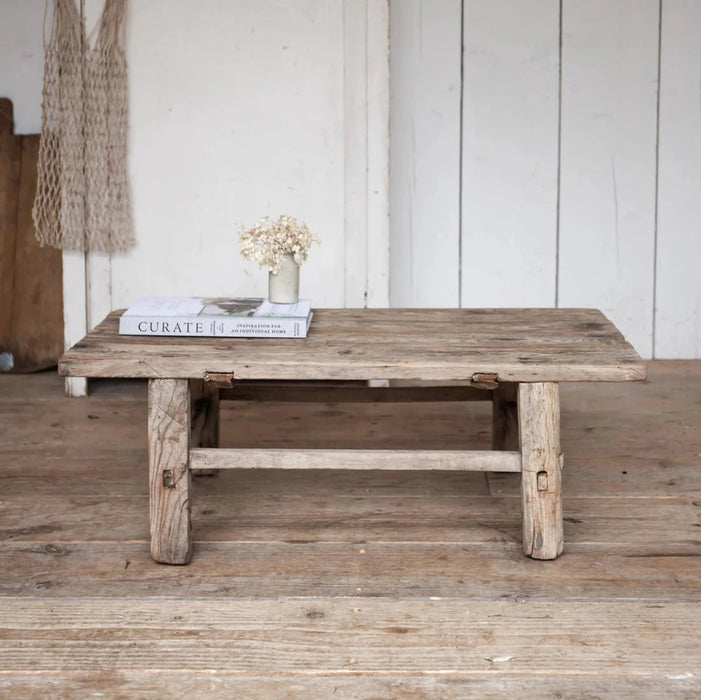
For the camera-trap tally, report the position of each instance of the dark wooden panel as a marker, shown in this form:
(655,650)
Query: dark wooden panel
(9,187)
(31,277)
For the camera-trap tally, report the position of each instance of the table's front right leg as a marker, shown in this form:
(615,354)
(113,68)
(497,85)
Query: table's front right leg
(169,473)
(541,484)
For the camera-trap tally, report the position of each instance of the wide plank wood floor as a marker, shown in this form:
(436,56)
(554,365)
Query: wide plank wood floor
(351,585)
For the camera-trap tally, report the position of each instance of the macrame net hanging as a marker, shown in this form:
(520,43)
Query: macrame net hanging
(82,200)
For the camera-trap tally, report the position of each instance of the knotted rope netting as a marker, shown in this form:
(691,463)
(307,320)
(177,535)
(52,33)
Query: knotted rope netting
(82,200)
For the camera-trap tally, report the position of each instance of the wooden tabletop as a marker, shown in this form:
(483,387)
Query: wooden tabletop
(518,345)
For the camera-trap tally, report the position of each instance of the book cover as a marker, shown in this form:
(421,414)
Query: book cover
(242,317)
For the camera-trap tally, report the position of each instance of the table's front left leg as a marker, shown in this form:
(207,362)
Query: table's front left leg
(169,473)
(541,485)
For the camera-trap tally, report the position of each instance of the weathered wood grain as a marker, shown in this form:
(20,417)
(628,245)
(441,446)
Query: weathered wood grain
(356,636)
(517,345)
(10,163)
(31,300)
(204,430)
(261,511)
(351,393)
(541,484)
(37,303)
(495,570)
(292,547)
(169,473)
(493,686)
(505,417)
(445,460)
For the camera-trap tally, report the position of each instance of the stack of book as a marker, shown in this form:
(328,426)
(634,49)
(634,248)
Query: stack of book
(226,318)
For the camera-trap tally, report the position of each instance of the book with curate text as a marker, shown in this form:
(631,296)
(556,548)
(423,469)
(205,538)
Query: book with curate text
(240,317)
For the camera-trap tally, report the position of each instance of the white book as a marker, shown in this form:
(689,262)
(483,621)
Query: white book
(241,317)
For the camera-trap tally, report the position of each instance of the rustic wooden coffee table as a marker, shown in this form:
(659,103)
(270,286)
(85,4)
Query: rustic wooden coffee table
(515,357)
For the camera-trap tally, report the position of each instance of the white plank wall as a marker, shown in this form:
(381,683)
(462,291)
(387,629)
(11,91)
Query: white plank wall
(579,187)
(74,311)
(377,135)
(678,317)
(425,153)
(608,161)
(509,152)
(366,153)
(531,160)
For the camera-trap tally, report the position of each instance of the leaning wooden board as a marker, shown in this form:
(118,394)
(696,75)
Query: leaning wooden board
(517,357)
(31,277)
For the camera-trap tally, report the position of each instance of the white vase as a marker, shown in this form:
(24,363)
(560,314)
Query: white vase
(283,288)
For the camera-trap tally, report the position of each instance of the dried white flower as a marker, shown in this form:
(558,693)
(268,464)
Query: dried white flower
(268,241)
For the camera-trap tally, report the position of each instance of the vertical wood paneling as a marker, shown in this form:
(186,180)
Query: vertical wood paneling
(98,276)
(608,161)
(366,152)
(98,265)
(377,134)
(425,152)
(510,138)
(74,311)
(355,222)
(608,137)
(678,317)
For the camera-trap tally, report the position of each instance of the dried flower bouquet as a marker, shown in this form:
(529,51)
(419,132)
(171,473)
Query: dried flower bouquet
(268,241)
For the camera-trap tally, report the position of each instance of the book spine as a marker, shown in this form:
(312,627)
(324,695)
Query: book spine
(254,327)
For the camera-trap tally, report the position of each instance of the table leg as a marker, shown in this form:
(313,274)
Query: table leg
(205,419)
(169,474)
(505,417)
(541,486)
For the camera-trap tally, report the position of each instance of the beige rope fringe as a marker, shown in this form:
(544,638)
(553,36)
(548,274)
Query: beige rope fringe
(82,200)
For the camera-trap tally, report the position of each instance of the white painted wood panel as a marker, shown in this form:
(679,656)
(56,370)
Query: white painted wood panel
(22,60)
(678,316)
(377,135)
(510,142)
(98,265)
(98,278)
(216,140)
(425,152)
(608,161)
(366,152)
(355,154)
(74,311)
(236,111)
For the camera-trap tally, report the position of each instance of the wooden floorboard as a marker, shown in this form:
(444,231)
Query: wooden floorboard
(340,637)
(339,584)
(155,685)
(493,570)
(231,515)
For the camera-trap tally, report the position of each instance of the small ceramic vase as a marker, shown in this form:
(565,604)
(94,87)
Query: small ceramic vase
(283,288)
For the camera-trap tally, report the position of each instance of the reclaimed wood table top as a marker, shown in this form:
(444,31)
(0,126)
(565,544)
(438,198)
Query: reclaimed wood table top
(517,345)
